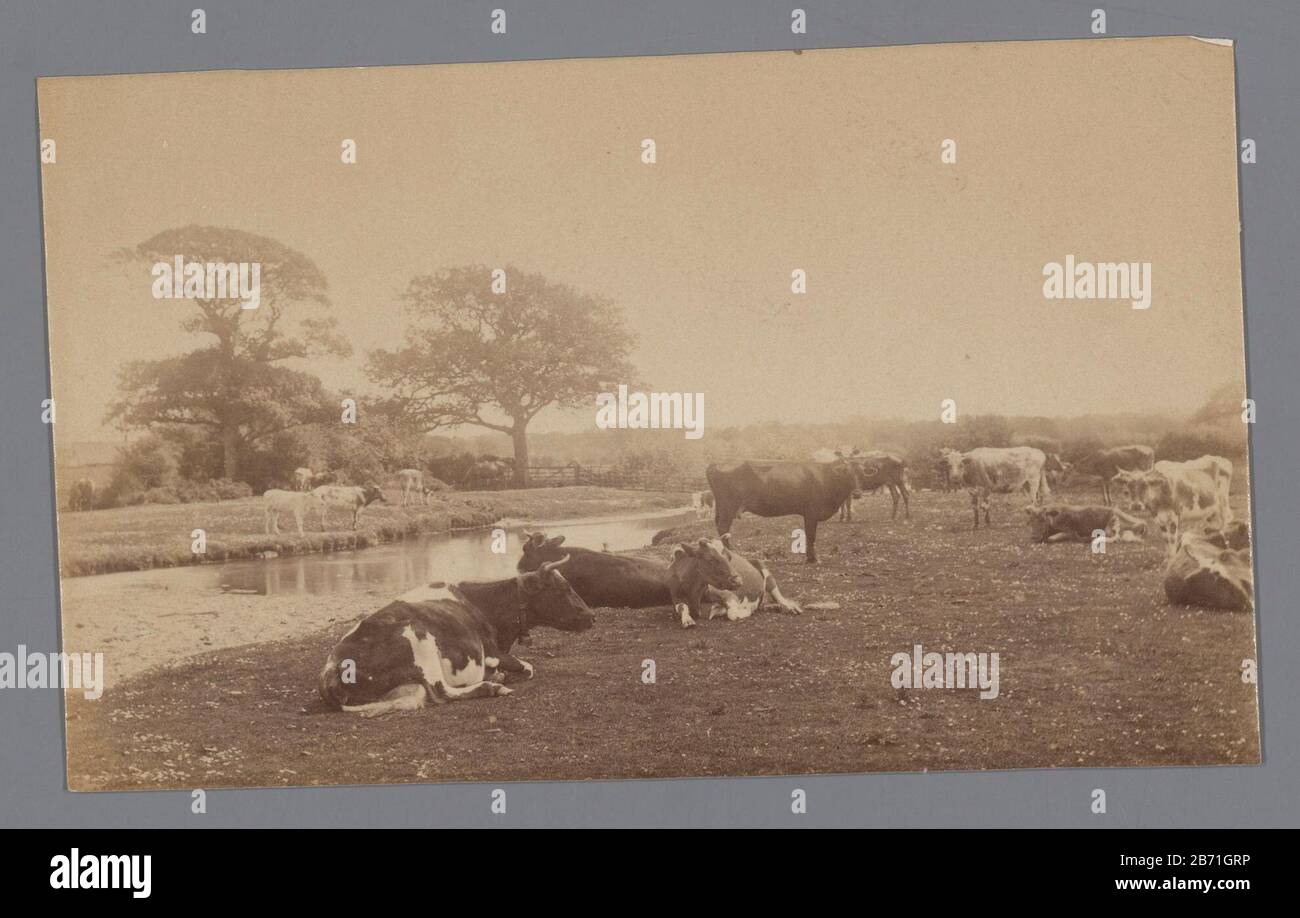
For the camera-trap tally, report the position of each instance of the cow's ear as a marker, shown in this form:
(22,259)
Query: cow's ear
(555,541)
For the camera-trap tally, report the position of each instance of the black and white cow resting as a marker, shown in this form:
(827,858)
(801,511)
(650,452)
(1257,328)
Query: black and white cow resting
(987,470)
(447,642)
(1212,569)
(771,487)
(709,576)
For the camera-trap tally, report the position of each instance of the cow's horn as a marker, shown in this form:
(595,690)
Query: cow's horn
(549,566)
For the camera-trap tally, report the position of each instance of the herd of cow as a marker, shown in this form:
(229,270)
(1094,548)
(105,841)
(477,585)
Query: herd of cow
(448,641)
(314,498)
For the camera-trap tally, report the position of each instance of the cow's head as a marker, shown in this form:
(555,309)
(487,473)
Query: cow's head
(1055,468)
(538,549)
(1132,490)
(708,562)
(551,601)
(1041,520)
(952,461)
(371,493)
(872,473)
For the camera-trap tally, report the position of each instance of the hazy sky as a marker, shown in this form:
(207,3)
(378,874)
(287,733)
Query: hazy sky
(924,279)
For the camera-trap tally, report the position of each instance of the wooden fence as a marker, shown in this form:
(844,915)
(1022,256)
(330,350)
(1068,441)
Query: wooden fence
(606,476)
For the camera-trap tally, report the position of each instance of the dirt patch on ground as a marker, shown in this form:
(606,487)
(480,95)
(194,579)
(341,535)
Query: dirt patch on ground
(1095,669)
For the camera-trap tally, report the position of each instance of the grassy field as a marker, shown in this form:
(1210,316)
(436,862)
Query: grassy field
(1096,669)
(158,535)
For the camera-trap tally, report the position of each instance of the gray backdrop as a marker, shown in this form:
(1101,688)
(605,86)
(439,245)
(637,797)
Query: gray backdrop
(60,37)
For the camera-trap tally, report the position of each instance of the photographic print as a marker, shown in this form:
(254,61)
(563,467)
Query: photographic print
(854,410)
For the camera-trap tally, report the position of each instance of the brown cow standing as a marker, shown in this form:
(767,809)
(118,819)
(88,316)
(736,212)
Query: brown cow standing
(1108,463)
(770,487)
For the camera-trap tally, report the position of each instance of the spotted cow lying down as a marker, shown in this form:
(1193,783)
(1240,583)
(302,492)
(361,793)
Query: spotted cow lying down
(709,577)
(1212,570)
(1063,523)
(447,642)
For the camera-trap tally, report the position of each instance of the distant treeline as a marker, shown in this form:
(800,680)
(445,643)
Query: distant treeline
(177,465)
(1217,428)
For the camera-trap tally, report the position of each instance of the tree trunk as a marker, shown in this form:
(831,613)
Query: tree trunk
(520,437)
(230,452)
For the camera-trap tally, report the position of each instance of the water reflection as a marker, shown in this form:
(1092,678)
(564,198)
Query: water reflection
(399,566)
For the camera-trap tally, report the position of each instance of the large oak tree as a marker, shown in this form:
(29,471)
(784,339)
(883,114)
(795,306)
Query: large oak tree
(495,359)
(235,386)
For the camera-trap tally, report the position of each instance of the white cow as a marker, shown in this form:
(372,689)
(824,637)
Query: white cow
(1180,496)
(412,481)
(299,503)
(987,469)
(302,478)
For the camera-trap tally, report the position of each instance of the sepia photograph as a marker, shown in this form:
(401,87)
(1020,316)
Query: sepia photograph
(698,415)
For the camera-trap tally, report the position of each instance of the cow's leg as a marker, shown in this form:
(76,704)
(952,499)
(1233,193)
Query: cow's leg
(975,506)
(409,697)
(297,518)
(907,504)
(723,603)
(684,613)
(484,689)
(1168,525)
(893,496)
(810,530)
(517,669)
(1105,490)
(773,592)
(724,514)
(437,682)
